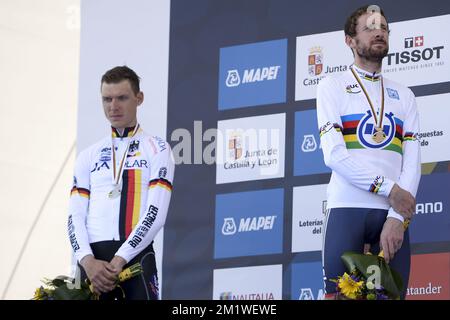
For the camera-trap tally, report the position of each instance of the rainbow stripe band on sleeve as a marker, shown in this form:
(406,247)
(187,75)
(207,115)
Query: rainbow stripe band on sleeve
(163,183)
(80,191)
(376,184)
(409,136)
(337,127)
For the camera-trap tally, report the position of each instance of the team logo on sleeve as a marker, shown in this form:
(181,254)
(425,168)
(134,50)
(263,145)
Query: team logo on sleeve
(162,172)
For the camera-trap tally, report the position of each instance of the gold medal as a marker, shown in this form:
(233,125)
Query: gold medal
(379,135)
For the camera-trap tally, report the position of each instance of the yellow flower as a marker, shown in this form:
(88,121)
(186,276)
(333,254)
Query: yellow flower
(39,294)
(349,287)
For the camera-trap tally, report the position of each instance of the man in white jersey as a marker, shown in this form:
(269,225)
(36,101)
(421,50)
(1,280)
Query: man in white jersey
(121,194)
(368,126)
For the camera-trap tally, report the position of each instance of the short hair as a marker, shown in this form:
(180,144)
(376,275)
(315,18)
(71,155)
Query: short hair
(120,73)
(352,20)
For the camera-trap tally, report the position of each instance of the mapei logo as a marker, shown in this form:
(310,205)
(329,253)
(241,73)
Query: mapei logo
(251,75)
(307,294)
(414,42)
(235,146)
(229,227)
(247,224)
(309,143)
(315,61)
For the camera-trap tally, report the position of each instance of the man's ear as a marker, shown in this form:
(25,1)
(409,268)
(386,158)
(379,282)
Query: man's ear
(350,42)
(140,97)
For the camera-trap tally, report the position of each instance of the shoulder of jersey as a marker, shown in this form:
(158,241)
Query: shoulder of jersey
(333,79)
(402,89)
(96,147)
(156,143)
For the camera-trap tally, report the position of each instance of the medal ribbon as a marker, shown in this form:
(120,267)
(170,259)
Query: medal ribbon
(117,177)
(378,125)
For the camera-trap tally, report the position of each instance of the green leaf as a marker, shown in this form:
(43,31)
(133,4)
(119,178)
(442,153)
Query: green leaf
(389,278)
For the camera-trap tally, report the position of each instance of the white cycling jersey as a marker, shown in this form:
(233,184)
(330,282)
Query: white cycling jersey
(138,212)
(367,158)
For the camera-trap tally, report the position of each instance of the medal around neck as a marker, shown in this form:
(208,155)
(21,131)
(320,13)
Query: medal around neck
(379,136)
(114,193)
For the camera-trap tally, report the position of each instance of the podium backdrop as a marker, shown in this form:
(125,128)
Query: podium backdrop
(236,86)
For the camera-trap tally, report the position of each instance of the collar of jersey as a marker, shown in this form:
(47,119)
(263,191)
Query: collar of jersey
(126,133)
(369,76)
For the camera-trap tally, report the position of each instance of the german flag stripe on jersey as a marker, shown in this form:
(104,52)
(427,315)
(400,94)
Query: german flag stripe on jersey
(80,191)
(130,202)
(163,183)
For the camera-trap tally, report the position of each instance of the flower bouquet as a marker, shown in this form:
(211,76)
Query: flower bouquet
(369,277)
(65,288)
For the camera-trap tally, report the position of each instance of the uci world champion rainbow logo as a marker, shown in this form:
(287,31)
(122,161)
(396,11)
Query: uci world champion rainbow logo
(367,128)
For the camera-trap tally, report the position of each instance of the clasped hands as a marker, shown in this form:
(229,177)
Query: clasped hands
(103,275)
(391,238)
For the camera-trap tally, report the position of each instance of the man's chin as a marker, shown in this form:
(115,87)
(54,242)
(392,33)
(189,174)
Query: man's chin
(378,55)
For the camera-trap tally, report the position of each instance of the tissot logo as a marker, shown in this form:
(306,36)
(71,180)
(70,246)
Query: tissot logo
(418,52)
(414,42)
(417,55)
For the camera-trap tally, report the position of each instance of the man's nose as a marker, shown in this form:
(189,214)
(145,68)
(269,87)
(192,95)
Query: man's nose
(114,104)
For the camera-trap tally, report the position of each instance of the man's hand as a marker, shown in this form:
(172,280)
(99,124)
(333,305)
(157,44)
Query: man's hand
(391,238)
(118,262)
(402,201)
(101,274)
